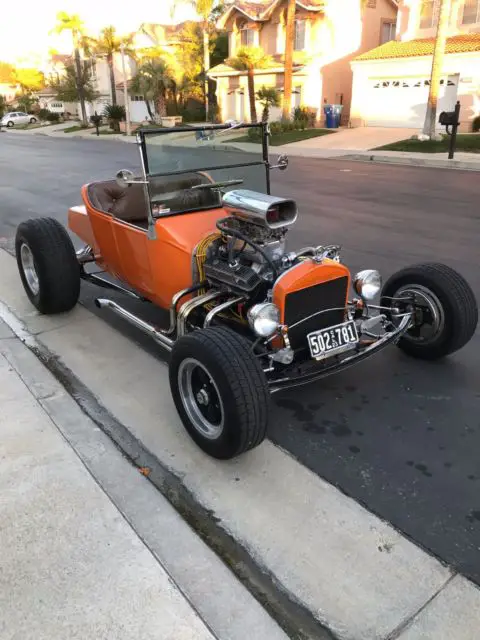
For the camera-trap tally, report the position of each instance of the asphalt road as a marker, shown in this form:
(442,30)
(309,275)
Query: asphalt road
(399,435)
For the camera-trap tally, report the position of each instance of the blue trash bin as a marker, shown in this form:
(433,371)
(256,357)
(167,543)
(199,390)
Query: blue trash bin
(333,113)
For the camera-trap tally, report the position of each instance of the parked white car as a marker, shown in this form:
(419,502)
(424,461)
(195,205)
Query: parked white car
(17,117)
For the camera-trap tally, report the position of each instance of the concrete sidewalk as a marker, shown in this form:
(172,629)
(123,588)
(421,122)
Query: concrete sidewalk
(357,576)
(88,548)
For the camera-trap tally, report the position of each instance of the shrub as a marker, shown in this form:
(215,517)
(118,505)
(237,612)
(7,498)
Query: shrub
(476,124)
(53,117)
(305,116)
(254,135)
(43,114)
(275,128)
(115,113)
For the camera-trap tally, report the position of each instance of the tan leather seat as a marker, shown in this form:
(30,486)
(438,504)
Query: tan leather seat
(130,204)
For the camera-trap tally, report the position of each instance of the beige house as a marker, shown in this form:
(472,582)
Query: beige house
(328,35)
(391,82)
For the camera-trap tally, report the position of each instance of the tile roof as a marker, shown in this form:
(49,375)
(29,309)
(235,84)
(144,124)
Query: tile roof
(261,9)
(225,69)
(423,47)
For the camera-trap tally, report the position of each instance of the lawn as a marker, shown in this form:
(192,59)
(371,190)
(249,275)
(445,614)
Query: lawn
(469,142)
(287,137)
(77,127)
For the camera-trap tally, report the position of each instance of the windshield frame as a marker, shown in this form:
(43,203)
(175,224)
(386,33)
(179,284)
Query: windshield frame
(142,135)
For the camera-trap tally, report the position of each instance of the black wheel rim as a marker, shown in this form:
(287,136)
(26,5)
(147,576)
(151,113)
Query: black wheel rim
(428,313)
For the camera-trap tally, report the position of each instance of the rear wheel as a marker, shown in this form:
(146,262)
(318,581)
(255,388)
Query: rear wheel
(220,391)
(10,123)
(48,265)
(446,312)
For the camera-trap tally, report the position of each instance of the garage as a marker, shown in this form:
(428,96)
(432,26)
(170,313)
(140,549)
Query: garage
(401,102)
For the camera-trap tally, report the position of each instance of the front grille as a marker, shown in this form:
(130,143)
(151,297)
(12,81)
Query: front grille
(306,302)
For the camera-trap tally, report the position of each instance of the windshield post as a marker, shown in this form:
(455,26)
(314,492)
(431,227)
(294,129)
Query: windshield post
(266,159)
(144,164)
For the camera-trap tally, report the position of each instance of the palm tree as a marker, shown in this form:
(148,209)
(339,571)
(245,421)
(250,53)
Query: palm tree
(206,9)
(248,59)
(289,44)
(156,78)
(268,97)
(108,44)
(140,86)
(437,64)
(72,23)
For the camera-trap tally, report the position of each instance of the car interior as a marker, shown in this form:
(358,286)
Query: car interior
(171,194)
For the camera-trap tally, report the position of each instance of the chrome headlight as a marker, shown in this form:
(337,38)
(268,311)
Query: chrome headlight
(367,283)
(264,319)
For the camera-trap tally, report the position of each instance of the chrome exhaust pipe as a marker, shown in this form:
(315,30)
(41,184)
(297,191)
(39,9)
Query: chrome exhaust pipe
(147,328)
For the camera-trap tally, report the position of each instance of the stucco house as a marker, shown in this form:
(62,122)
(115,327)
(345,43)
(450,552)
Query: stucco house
(391,82)
(328,35)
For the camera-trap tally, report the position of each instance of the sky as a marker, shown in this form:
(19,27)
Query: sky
(24,35)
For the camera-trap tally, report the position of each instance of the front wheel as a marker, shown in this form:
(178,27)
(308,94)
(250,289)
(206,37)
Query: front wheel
(33,120)
(444,305)
(220,391)
(48,265)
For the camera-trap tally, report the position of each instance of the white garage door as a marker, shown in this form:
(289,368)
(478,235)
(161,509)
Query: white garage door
(401,102)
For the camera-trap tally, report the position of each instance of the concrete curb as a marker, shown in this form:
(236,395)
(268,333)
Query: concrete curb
(436,163)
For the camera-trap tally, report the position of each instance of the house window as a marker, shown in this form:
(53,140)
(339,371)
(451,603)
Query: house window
(247,37)
(299,41)
(138,98)
(471,12)
(388,32)
(429,12)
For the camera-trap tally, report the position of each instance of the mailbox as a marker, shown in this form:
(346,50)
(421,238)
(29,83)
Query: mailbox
(448,118)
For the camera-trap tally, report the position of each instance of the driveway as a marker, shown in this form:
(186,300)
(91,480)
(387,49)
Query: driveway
(359,139)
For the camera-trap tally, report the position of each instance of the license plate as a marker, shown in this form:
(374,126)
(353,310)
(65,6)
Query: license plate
(326,342)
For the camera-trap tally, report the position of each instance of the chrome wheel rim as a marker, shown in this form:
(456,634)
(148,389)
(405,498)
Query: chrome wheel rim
(29,270)
(201,398)
(428,318)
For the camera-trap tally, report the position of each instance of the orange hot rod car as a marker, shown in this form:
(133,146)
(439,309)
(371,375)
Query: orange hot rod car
(199,234)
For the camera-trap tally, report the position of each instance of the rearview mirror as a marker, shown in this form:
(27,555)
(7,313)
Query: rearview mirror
(125,178)
(282,163)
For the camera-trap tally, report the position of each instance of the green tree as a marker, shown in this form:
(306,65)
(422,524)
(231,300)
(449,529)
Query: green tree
(157,78)
(3,105)
(140,86)
(108,44)
(68,87)
(248,59)
(289,44)
(209,11)
(268,97)
(6,73)
(73,23)
(25,102)
(29,79)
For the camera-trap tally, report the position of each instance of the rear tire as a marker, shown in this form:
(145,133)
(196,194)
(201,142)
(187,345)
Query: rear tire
(48,265)
(220,391)
(10,123)
(447,312)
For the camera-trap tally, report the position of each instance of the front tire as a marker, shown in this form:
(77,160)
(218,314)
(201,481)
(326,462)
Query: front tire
(48,265)
(220,391)
(33,120)
(446,312)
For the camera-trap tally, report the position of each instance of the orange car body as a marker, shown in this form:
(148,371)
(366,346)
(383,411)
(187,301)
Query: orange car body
(160,267)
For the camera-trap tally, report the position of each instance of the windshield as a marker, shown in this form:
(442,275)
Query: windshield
(222,153)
